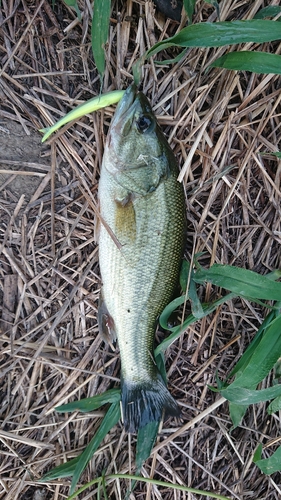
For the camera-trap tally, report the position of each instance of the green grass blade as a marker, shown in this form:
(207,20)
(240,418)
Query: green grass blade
(70,468)
(236,413)
(274,275)
(165,484)
(90,106)
(220,34)
(160,362)
(145,442)
(274,406)
(178,330)
(90,404)
(257,62)
(196,306)
(215,35)
(242,396)
(189,6)
(277,154)
(240,281)
(185,274)
(109,420)
(258,452)
(270,11)
(271,464)
(74,4)
(99,33)
(172,61)
(245,358)
(263,358)
(246,367)
(63,470)
(103,486)
(216,6)
(169,309)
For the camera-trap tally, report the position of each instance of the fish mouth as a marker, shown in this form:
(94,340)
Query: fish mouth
(125,109)
(133,104)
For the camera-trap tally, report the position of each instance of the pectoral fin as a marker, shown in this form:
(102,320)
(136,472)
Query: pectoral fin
(106,323)
(125,220)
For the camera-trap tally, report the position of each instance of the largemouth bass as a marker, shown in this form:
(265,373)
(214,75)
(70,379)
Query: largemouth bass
(140,251)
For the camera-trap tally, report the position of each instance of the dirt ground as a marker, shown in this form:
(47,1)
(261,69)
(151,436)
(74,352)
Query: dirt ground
(223,127)
(22,153)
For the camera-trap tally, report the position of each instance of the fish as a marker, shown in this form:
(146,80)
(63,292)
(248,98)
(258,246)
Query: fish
(141,246)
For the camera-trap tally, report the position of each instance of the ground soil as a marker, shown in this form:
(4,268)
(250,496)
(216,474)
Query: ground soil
(17,151)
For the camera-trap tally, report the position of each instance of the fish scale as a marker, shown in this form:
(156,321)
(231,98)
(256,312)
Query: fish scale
(143,204)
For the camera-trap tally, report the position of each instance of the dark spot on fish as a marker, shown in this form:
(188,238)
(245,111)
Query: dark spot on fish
(128,311)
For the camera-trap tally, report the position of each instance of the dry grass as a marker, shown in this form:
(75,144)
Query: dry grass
(218,123)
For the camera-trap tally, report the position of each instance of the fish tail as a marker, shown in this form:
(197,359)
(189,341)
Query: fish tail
(145,402)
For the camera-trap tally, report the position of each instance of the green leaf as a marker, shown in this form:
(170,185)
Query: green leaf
(63,470)
(277,154)
(236,412)
(257,454)
(164,484)
(172,61)
(241,281)
(263,358)
(74,4)
(145,442)
(220,34)
(214,35)
(178,330)
(109,420)
(196,306)
(184,275)
(242,396)
(189,6)
(169,309)
(72,467)
(216,5)
(257,62)
(271,464)
(219,382)
(277,370)
(93,104)
(137,69)
(254,365)
(99,33)
(160,362)
(245,358)
(90,404)
(270,11)
(274,406)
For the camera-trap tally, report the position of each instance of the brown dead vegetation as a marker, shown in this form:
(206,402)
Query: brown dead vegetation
(218,122)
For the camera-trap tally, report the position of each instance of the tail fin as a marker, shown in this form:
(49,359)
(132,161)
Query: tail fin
(144,402)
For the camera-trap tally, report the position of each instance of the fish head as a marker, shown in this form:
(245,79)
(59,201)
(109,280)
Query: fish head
(134,138)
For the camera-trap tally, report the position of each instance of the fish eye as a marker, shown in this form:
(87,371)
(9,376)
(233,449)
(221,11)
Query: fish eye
(143,123)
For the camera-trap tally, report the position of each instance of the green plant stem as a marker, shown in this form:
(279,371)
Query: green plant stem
(104,479)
